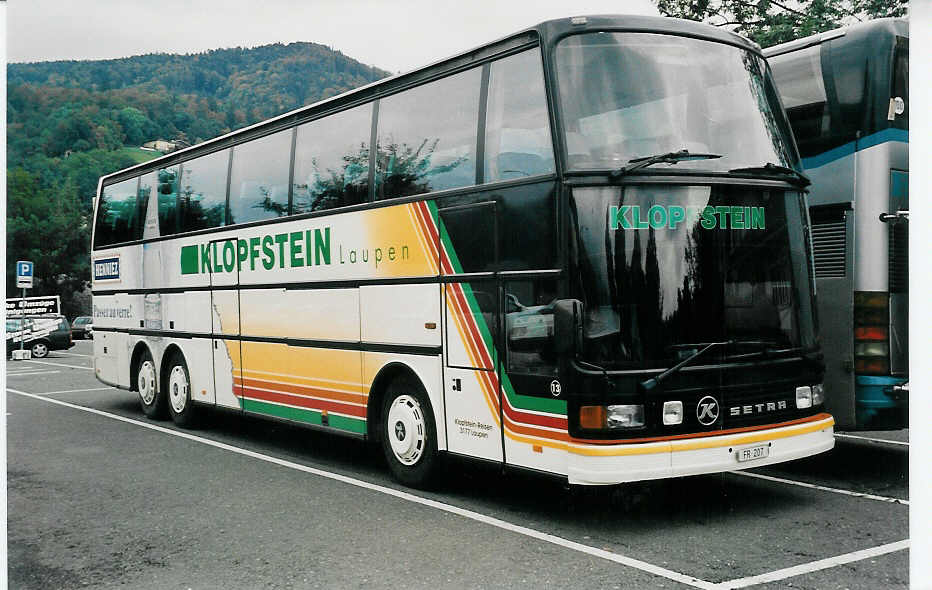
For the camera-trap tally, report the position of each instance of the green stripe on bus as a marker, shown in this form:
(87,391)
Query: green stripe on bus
(303,415)
(526,402)
(189,261)
(518,401)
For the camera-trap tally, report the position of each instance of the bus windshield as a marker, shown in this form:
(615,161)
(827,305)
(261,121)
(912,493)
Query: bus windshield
(632,95)
(664,269)
(841,89)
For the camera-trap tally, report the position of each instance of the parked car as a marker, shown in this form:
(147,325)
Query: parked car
(81,326)
(39,334)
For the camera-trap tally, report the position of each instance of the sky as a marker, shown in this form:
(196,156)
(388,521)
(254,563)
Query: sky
(395,35)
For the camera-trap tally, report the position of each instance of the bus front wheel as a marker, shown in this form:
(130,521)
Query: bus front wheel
(408,438)
(178,392)
(150,398)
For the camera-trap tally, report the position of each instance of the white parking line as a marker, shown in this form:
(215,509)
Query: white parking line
(814,566)
(76,390)
(823,488)
(694,582)
(20,374)
(61,365)
(871,439)
(534,534)
(57,352)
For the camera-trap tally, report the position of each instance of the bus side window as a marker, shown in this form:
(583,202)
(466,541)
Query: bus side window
(259,178)
(120,215)
(802,89)
(331,162)
(166,186)
(427,137)
(517,137)
(203,192)
(529,332)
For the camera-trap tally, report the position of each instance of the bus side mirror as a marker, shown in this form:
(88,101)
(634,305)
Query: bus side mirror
(567,325)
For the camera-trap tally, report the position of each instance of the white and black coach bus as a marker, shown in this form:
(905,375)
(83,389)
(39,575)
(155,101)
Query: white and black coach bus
(581,249)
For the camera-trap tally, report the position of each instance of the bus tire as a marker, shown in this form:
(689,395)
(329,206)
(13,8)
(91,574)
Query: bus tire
(408,438)
(177,383)
(147,384)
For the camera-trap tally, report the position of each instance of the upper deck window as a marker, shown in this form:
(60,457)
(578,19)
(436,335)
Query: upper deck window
(331,162)
(203,195)
(165,183)
(799,77)
(630,95)
(517,139)
(259,178)
(841,89)
(427,137)
(120,214)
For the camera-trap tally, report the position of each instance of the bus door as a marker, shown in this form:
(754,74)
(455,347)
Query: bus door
(471,294)
(531,384)
(225,322)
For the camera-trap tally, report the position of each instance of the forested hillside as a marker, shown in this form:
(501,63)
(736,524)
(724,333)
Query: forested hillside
(69,122)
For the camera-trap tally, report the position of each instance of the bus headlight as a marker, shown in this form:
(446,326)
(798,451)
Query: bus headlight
(615,416)
(803,397)
(625,416)
(672,413)
(818,395)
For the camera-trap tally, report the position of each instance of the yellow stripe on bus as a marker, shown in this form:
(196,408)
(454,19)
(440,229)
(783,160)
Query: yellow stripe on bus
(677,446)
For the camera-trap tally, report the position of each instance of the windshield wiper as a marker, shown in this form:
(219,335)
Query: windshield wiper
(771,168)
(668,158)
(653,382)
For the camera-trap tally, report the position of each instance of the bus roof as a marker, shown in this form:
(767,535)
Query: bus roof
(893,27)
(547,33)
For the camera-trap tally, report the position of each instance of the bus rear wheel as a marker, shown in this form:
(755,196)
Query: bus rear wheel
(178,392)
(150,398)
(408,438)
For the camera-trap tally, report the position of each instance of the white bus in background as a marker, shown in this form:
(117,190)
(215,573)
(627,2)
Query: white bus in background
(846,96)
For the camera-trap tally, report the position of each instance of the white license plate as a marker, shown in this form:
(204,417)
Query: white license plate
(753,453)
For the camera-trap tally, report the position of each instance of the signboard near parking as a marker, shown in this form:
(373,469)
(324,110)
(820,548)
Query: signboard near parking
(24,270)
(33,306)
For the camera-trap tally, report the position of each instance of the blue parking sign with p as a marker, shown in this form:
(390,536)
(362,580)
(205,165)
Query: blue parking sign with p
(24,274)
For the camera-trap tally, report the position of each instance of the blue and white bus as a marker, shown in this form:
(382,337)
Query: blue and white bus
(846,95)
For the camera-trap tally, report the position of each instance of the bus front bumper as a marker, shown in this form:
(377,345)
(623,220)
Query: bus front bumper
(613,464)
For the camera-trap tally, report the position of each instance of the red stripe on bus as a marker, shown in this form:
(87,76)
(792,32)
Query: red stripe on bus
(297,389)
(520,417)
(299,400)
(425,225)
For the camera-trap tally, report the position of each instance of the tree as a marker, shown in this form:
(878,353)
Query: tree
(68,123)
(769,22)
(49,228)
(136,125)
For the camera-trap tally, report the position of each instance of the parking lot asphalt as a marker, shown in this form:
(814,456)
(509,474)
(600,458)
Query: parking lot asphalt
(101,497)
